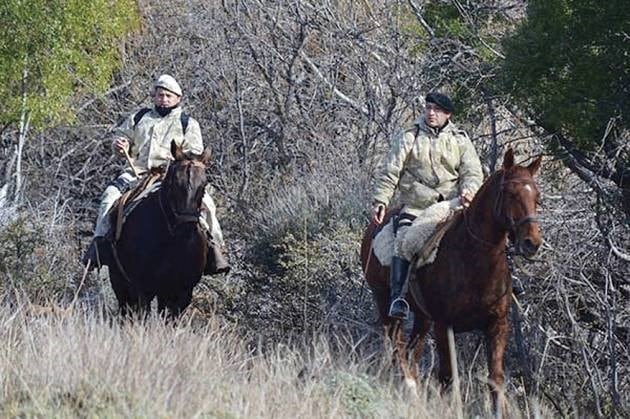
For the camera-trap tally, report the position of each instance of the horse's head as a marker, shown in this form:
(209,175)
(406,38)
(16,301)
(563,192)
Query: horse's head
(517,202)
(185,182)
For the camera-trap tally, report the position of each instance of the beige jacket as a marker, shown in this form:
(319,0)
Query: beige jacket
(150,140)
(428,166)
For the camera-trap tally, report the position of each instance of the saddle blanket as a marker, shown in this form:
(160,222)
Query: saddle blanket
(117,217)
(129,206)
(415,236)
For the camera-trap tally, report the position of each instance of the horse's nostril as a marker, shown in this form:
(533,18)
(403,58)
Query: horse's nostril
(529,246)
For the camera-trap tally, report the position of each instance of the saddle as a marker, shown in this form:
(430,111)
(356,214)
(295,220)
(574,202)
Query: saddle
(428,251)
(421,239)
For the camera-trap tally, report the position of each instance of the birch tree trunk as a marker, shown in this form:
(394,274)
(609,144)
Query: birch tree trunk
(25,119)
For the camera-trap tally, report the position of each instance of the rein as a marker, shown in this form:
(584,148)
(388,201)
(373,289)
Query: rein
(180,218)
(472,234)
(512,225)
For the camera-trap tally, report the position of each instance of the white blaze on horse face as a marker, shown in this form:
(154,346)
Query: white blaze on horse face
(531,190)
(529,193)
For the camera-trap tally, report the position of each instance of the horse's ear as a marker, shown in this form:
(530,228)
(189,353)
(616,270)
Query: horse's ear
(535,165)
(508,159)
(176,151)
(205,156)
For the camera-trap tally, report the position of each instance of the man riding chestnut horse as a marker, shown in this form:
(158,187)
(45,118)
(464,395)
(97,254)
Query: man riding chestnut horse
(430,162)
(466,284)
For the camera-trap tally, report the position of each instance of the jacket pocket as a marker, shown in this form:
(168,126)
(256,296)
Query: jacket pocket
(415,193)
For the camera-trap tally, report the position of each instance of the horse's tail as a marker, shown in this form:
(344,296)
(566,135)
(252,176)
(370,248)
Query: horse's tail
(366,244)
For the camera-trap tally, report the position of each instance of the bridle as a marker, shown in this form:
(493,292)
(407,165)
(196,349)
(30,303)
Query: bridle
(509,224)
(505,221)
(172,216)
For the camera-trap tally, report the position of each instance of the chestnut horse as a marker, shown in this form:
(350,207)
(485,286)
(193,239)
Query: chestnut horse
(162,248)
(468,286)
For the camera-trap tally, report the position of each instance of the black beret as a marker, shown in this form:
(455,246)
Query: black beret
(441,100)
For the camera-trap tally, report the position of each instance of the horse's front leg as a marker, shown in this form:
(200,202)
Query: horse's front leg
(401,353)
(416,342)
(161,306)
(496,342)
(142,306)
(178,302)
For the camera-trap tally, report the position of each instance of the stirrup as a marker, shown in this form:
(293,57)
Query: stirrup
(398,313)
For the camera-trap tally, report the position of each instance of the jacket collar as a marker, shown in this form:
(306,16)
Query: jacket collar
(422,125)
(175,112)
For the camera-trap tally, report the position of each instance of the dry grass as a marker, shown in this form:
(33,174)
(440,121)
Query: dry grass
(83,364)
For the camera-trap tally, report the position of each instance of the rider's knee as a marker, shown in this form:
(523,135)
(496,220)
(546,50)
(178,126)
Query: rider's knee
(123,182)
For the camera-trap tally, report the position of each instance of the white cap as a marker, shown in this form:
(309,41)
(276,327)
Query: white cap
(169,83)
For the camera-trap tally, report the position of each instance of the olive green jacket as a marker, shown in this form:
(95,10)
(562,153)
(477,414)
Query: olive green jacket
(428,166)
(150,139)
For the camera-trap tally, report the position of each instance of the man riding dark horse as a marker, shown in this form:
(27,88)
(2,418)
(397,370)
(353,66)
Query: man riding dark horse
(430,162)
(144,138)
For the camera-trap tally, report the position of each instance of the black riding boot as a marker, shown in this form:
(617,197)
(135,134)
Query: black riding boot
(399,308)
(216,263)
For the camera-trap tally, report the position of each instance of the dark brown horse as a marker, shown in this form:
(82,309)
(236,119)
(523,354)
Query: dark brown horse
(162,250)
(468,286)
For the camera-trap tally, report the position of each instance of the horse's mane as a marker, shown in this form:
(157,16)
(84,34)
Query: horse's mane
(487,185)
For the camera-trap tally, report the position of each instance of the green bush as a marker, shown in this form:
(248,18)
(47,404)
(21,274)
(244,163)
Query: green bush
(304,244)
(317,207)
(357,394)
